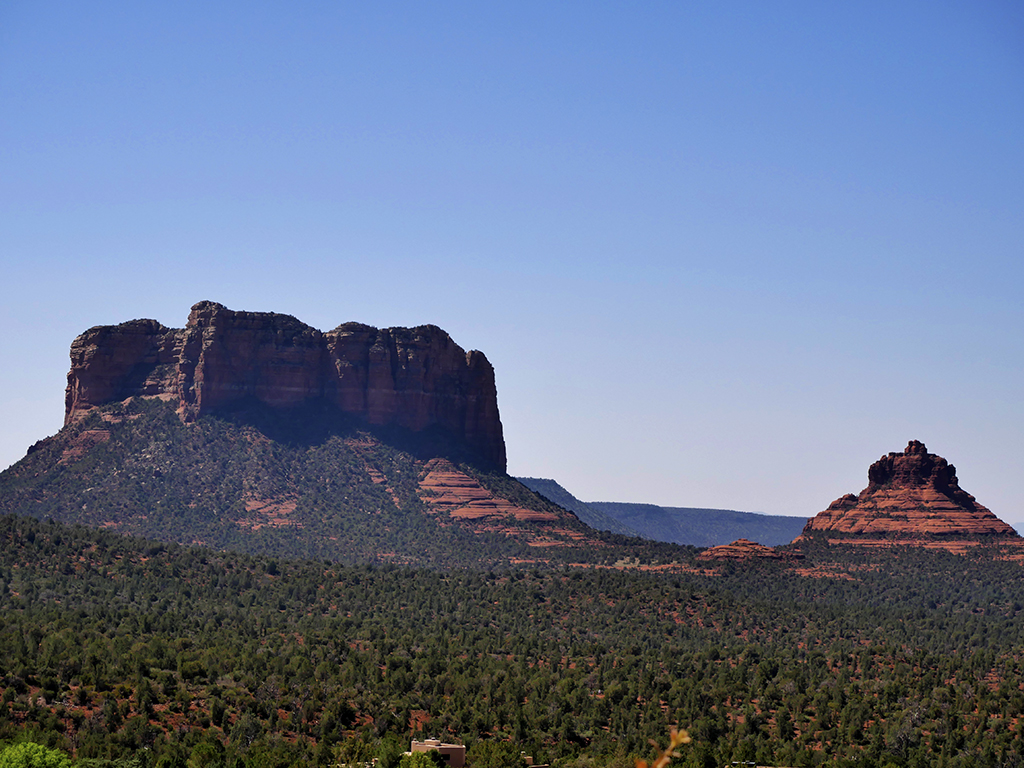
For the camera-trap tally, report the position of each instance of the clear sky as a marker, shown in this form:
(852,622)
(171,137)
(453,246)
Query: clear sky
(721,254)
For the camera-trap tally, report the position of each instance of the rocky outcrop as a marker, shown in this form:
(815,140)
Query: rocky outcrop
(744,549)
(913,494)
(450,490)
(410,377)
(459,498)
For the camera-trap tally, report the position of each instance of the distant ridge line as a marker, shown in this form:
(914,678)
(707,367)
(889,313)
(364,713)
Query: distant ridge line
(594,518)
(702,526)
(693,526)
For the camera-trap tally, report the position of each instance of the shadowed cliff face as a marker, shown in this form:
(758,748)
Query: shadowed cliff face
(409,377)
(909,494)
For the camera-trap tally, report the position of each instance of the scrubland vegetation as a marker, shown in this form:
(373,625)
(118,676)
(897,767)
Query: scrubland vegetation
(124,650)
(307,483)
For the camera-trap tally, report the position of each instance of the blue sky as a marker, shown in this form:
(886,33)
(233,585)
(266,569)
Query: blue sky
(720,254)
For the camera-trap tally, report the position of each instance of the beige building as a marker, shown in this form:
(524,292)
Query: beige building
(453,754)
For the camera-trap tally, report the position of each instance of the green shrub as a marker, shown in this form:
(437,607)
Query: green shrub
(31,755)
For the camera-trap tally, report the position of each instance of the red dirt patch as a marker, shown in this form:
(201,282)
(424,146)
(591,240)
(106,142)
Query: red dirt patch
(84,442)
(268,513)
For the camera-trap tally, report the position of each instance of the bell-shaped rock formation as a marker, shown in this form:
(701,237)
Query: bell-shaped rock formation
(409,377)
(913,494)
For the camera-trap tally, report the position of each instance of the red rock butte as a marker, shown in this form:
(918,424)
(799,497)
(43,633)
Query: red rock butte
(409,377)
(910,495)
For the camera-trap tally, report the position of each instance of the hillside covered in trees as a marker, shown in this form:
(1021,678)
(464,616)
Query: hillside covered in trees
(306,482)
(121,649)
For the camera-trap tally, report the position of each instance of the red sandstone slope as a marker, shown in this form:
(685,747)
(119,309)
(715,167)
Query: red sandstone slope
(446,489)
(409,377)
(911,496)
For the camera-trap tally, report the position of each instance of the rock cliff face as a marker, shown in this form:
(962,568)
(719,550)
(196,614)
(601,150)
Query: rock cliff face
(410,377)
(909,495)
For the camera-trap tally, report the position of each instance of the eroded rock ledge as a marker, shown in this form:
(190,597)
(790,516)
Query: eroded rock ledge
(410,377)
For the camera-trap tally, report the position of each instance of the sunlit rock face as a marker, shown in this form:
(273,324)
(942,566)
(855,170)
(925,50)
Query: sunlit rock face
(909,494)
(409,377)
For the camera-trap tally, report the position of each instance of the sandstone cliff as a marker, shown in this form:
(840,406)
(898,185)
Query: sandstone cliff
(913,494)
(409,377)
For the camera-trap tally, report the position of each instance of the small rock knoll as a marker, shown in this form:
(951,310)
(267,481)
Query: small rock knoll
(742,549)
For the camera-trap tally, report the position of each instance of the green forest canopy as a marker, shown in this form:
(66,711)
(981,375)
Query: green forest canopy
(118,649)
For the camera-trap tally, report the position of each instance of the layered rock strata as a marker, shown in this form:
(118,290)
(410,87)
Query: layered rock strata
(445,488)
(742,549)
(409,377)
(909,495)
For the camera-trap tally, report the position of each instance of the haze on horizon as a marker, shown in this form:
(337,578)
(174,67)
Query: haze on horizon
(721,255)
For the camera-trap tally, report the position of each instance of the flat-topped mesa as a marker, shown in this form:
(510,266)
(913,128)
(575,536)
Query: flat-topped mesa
(910,494)
(410,377)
